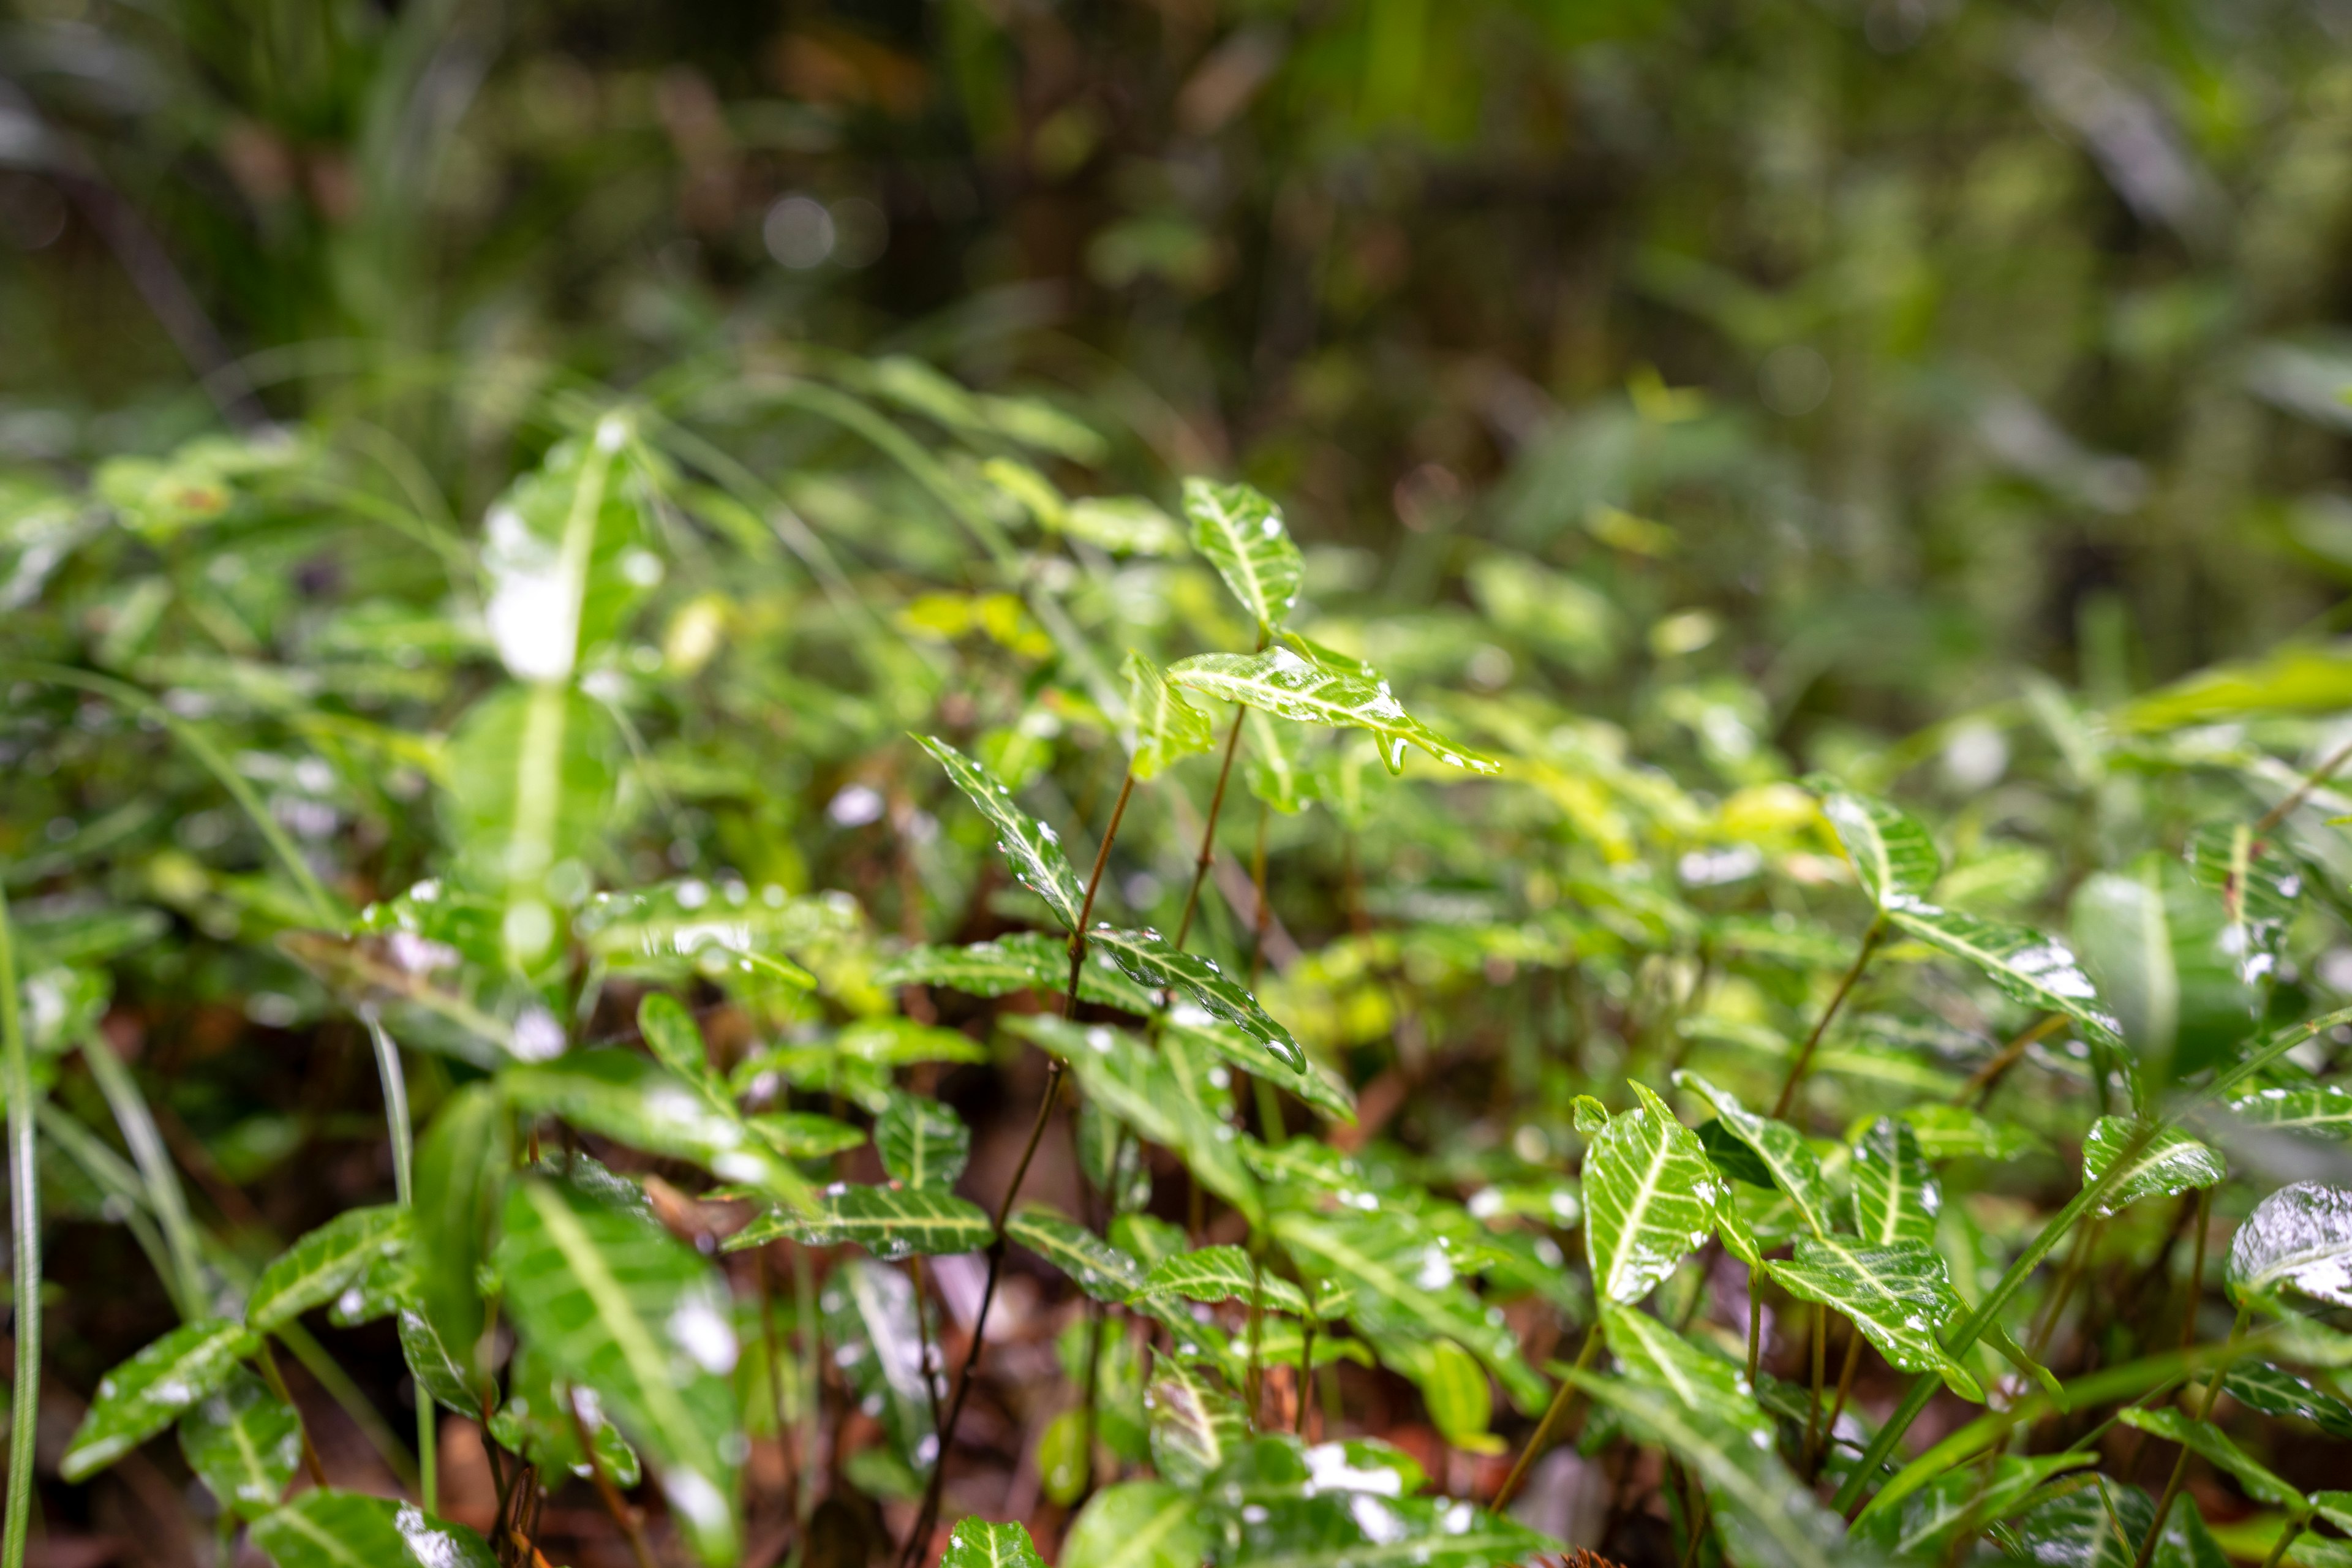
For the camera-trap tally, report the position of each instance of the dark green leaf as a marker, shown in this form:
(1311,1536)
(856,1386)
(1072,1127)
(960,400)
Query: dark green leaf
(891,1223)
(154,1389)
(1195,1426)
(1029,961)
(1214,1274)
(1147,960)
(2276,1391)
(1900,1295)
(324,1264)
(1778,1147)
(1896,1194)
(977,1543)
(870,1321)
(620,1095)
(2168,1162)
(2214,1448)
(1094,1265)
(1650,1197)
(2023,964)
(1892,856)
(245,1442)
(461,1171)
(349,1530)
(922,1142)
(2320,1111)
(1167,728)
(1136,1524)
(1033,849)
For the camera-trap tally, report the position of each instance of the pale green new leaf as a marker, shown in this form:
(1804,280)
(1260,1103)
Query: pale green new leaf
(2167,1162)
(1241,534)
(324,1264)
(2210,1444)
(1287,686)
(977,1543)
(1778,1147)
(1136,1524)
(245,1442)
(2318,1110)
(1213,1274)
(2299,1236)
(616,1304)
(1147,960)
(351,1530)
(1896,1194)
(1031,847)
(922,1142)
(1092,1265)
(804,1134)
(1893,857)
(1167,728)
(1650,1196)
(154,1389)
(1900,1295)
(2023,964)
(891,1223)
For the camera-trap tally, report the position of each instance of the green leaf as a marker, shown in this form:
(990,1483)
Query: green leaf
(1896,1194)
(2276,1391)
(437,1368)
(537,1420)
(1195,1426)
(1287,686)
(1136,1524)
(669,1032)
(1167,728)
(2321,1111)
(461,1171)
(1147,960)
(2023,964)
(1028,961)
(1241,534)
(2215,1448)
(804,1134)
(2155,942)
(618,1094)
(618,1305)
(1402,1279)
(1778,1147)
(2261,893)
(2171,1162)
(681,929)
(349,1529)
(977,1543)
(877,1339)
(1892,856)
(1031,848)
(1319,1090)
(922,1142)
(1094,1265)
(1647,1351)
(1349,1505)
(1923,1524)
(2097,1525)
(891,1223)
(154,1389)
(2300,1235)
(1764,1509)
(324,1264)
(1650,1197)
(1900,1295)
(245,1442)
(1277,773)
(1214,1274)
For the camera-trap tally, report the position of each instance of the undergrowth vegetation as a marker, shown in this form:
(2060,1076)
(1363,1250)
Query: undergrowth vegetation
(1411,1129)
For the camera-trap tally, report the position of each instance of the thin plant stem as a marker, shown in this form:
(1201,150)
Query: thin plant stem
(2295,1528)
(923,1344)
(1261,912)
(2180,1465)
(1820,1027)
(2302,792)
(1209,830)
(1844,1392)
(615,1504)
(1755,1322)
(1561,1400)
(402,1136)
(1096,1315)
(25,1279)
(269,1364)
(1055,1070)
(1988,1078)
(1821,1365)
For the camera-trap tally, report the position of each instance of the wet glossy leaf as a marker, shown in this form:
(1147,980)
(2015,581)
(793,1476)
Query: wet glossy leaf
(349,1530)
(922,1142)
(2211,1445)
(620,1095)
(2299,1237)
(1779,1149)
(2023,964)
(1946,1133)
(1136,1524)
(1764,1508)
(1282,683)
(1647,1351)
(2261,893)
(1318,1088)
(1167,728)
(537,1420)
(2318,1110)
(1893,857)
(1241,534)
(891,1223)
(1092,1265)
(870,1321)
(1149,960)
(1650,1197)
(1033,849)
(690,928)
(1028,961)
(2168,1162)
(1922,1526)
(154,1389)
(1213,1274)
(461,1171)
(245,1442)
(1896,1194)
(1277,771)
(436,1367)
(977,1543)
(2276,1391)
(2098,1525)
(1349,1506)
(324,1264)
(619,1306)
(1900,1295)
(1195,1426)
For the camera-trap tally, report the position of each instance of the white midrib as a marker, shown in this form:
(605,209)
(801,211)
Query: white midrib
(1635,1211)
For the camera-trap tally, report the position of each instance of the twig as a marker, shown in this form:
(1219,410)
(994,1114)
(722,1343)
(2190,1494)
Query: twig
(1988,1078)
(1209,831)
(1564,1397)
(2303,791)
(1805,1053)
(1845,1391)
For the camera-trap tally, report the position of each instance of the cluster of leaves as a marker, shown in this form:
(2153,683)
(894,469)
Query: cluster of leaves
(1474,1054)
